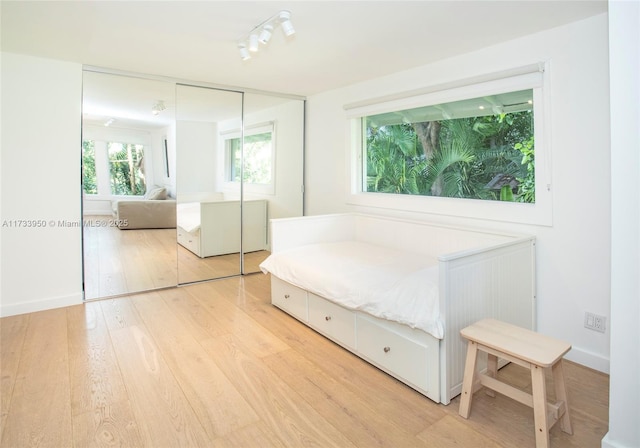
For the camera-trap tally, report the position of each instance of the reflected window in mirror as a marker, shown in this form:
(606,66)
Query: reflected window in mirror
(114,168)
(259,157)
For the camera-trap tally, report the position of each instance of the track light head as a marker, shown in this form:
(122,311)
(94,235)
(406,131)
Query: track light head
(265,34)
(262,33)
(253,42)
(244,53)
(285,22)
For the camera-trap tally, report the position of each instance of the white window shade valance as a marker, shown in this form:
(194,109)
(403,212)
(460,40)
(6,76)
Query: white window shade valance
(528,77)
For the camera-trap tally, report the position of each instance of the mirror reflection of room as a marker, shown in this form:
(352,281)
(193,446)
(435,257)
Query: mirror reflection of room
(180,181)
(128,193)
(273,154)
(208,216)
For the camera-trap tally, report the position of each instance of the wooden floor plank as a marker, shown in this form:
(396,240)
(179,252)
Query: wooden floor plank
(12,333)
(40,408)
(108,426)
(255,337)
(163,413)
(364,421)
(218,405)
(101,412)
(452,432)
(284,412)
(257,435)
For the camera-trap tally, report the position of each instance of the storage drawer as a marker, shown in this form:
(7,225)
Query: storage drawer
(333,321)
(406,359)
(189,241)
(289,298)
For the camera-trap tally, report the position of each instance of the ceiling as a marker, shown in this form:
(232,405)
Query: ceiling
(335,44)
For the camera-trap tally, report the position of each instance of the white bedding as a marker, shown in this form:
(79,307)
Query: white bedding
(188,216)
(386,283)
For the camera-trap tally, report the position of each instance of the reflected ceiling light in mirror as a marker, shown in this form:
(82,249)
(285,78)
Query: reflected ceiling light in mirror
(158,107)
(262,33)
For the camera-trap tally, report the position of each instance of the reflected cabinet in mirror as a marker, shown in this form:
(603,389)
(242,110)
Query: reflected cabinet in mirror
(128,186)
(209,211)
(180,181)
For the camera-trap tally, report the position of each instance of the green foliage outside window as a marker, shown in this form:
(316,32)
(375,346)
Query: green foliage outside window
(89,179)
(126,168)
(258,151)
(488,157)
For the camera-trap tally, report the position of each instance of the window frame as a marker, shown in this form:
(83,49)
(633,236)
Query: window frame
(534,77)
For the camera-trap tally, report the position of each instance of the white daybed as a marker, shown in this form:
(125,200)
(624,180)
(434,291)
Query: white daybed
(209,228)
(397,293)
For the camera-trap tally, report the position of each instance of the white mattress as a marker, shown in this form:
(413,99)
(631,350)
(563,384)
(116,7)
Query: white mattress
(188,216)
(386,283)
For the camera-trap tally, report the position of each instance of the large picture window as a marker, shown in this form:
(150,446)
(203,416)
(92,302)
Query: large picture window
(475,148)
(481,148)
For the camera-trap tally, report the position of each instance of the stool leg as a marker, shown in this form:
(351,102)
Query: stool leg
(492,371)
(540,413)
(561,395)
(469,379)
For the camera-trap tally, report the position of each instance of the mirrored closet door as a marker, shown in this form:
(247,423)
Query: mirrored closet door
(272,174)
(180,180)
(128,185)
(209,203)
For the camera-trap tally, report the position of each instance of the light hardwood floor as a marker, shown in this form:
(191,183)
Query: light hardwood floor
(214,364)
(118,262)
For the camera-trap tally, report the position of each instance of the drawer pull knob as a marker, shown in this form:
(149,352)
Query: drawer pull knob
(327,318)
(387,349)
(286,296)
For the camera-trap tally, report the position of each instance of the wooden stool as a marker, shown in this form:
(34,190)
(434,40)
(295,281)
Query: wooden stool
(525,348)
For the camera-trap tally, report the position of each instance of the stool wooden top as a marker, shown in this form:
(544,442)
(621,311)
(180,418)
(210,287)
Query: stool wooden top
(516,341)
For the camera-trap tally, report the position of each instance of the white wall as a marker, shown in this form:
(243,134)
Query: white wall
(624,396)
(573,256)
(196,144)
(41,116)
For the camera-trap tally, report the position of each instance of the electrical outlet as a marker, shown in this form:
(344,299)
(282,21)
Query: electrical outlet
(595,322)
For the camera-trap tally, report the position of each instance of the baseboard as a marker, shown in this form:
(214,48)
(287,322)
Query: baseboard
(40,305)
(588,359)
(608,443)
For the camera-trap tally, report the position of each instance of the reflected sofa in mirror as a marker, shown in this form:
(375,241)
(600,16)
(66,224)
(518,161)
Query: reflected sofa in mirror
(128,185)
(208,210)
(273,159)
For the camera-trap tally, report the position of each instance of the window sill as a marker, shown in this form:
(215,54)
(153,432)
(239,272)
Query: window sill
(533,214)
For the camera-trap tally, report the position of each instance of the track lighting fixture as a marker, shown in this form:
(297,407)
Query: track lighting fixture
(261,34)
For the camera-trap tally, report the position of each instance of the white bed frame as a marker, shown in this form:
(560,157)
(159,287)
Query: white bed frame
(481,274)
(220,228)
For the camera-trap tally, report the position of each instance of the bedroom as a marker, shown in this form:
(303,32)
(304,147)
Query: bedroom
(572,260)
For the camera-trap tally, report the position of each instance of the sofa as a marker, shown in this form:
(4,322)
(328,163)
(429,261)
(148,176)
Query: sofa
(156,210)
